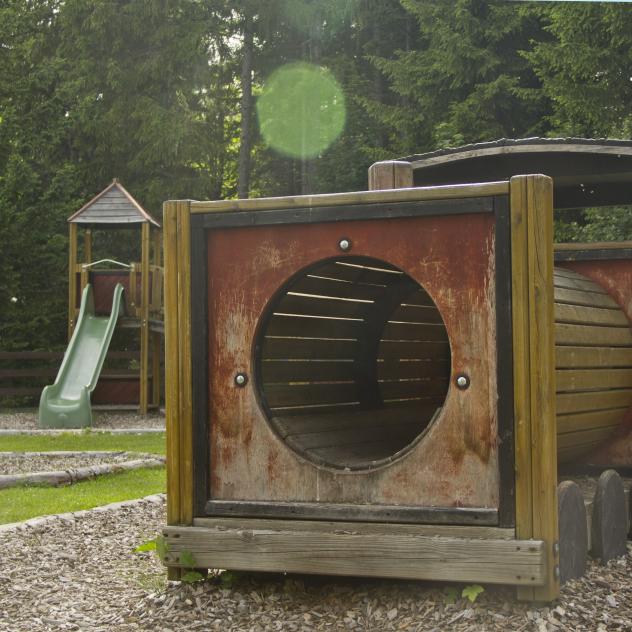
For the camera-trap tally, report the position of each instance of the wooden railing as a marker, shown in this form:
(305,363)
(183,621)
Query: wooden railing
(23,374)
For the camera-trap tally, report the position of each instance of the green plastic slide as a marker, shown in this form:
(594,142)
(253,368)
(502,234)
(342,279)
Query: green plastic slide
(66,403)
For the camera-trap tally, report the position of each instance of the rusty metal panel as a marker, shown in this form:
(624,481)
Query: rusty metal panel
(456,462)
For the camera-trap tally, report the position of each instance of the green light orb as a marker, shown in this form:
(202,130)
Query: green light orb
(301,110)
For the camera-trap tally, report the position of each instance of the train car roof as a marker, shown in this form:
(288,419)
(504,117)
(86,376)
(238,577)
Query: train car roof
(586,172)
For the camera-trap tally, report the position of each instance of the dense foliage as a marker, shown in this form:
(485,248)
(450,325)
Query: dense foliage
(161,94)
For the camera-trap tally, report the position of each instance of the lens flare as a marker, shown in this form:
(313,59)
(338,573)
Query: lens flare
(301,110)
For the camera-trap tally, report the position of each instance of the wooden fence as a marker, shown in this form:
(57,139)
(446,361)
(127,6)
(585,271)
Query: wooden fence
(23,374)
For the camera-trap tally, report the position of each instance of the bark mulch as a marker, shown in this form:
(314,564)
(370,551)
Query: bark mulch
(80,572)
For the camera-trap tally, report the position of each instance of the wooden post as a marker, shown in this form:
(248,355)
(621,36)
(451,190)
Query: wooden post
(390,174)
(178,365)
(87,246)
(534,372)
(144,320)
(72,281)
(155,369)
(157,259)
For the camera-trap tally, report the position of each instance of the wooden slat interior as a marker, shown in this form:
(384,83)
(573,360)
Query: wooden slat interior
(354,362)
(593,364)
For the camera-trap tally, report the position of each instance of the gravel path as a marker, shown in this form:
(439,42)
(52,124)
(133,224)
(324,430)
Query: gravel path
(26,462)
(101,420)
(80,573)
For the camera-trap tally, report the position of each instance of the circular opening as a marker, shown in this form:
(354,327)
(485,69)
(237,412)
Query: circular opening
(353,362)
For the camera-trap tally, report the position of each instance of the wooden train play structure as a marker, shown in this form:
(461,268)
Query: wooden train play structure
(105,295)
(387,383)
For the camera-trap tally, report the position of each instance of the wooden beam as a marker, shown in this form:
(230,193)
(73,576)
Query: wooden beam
(178,362)
(347,550)
(72,282)
(184,362)
(144,320)
(172,375)
(457,191)
(87,246)
(595,245)
(534,372)
(155,368)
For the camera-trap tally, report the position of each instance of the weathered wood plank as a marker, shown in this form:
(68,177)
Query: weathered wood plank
(144,320)
(521,362)
(413,350)
(185,369)
(417,313)
(413,388)
(402,369)
(590,299)
(72,286)
(316,327)
(578,357)
(381,555)
(321,306)
(369,197)
(345,437)
(324,286)
(576,314)
(310,393)
(405,514)
(583,379)
(534,374)
(592,400)
(306,348)
(306,370)
(368,528)
(415,331)
(583,335)
(575,422)
(584,438)
(356,420)
(577,283)
(542,369)
(172,375)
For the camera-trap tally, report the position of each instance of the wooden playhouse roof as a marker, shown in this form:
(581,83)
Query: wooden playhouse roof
(114,206)
(586,172)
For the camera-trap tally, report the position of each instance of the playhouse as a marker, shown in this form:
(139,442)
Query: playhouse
(104,295)
(382,383)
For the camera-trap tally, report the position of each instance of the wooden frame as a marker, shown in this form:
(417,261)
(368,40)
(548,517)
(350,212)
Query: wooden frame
(254,543)
(534,370)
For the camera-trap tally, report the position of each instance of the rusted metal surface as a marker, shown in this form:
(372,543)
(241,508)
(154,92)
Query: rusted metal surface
(616,277)
(456,462)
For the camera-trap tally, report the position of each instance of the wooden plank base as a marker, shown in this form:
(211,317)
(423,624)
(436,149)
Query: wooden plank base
(344,549)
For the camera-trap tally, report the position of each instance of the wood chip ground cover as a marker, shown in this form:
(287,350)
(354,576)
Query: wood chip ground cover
(81,573)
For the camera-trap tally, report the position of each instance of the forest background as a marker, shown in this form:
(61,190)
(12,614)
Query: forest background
(162,95)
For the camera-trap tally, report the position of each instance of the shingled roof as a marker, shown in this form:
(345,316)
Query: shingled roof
(114,206)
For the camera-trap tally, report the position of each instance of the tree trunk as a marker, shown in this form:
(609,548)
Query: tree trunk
(245,136)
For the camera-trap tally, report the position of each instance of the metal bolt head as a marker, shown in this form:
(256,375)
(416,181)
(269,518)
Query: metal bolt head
(344,244)
(462,381)
(241,379)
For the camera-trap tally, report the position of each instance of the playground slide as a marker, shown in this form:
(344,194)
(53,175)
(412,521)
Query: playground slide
(66,403)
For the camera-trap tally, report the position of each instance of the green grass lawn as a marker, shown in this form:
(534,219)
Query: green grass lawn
(150,442)
(21,503)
